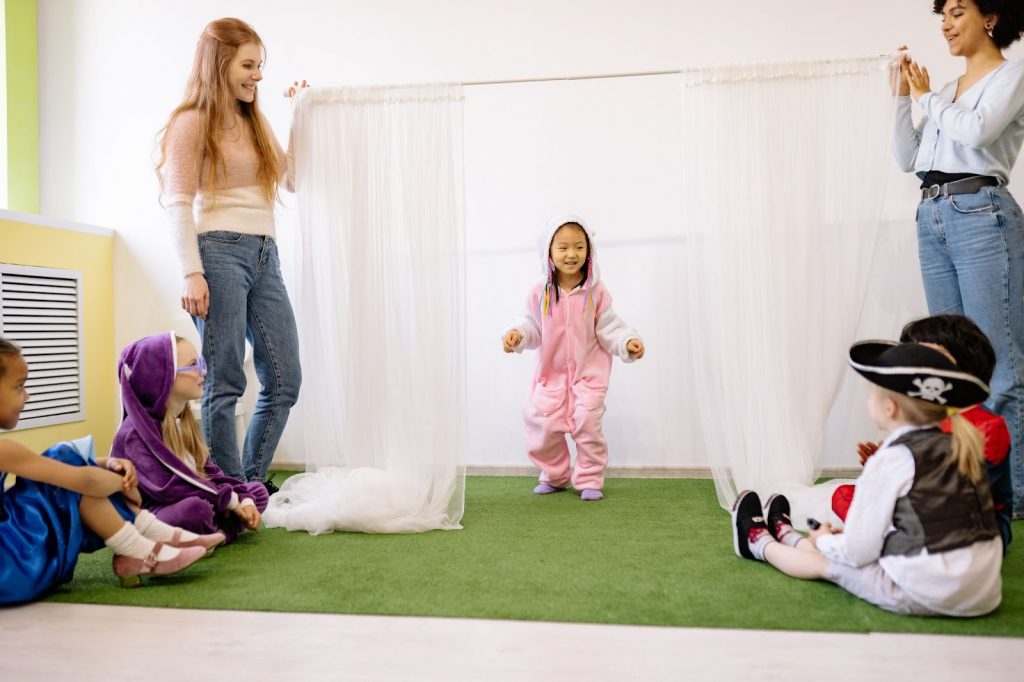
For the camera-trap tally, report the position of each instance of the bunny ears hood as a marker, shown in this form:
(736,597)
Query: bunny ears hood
(546,237)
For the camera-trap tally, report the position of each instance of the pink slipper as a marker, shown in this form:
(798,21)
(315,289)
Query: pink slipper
(130,570)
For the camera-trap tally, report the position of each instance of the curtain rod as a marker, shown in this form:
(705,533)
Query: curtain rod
(668,72)
(628,74)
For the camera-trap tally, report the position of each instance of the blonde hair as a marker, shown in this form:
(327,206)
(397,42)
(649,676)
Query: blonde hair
(182,435)
(968,444)
(209,94)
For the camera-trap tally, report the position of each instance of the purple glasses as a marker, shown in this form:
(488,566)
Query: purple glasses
(198,366)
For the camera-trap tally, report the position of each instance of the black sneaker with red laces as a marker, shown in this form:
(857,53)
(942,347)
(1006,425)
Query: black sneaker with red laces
(776,514)
(747,523)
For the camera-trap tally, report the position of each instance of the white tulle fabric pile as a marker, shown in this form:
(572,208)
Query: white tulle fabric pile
(381,312)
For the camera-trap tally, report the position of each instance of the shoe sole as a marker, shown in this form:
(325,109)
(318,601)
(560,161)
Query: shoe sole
(747,554)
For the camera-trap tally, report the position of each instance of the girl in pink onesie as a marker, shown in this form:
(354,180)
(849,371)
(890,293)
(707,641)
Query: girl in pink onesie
(569,317)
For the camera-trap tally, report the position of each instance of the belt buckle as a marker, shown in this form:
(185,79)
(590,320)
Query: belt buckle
(932,191)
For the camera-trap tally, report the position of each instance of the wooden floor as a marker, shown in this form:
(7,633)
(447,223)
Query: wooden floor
(83,643)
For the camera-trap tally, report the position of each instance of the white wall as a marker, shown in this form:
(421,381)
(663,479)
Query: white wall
(111,71)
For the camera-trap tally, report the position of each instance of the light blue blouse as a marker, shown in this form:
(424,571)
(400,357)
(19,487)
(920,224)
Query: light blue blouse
(981,133)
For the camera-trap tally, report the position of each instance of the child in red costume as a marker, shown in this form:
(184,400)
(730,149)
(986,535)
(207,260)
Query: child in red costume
(972,352)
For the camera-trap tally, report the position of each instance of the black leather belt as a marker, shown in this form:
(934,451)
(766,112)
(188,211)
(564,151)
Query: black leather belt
(965,186)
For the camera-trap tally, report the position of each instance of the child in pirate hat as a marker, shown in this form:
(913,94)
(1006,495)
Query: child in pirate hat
(921,535)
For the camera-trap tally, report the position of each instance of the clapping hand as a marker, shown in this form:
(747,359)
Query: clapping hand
(897,80)
(917,77)
(865,450)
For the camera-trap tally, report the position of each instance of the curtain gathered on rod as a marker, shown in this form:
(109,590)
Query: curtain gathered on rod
(784,179)
(380,305)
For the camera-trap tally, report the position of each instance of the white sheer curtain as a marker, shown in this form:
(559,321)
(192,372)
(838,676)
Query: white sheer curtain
(785,173)
(381,312)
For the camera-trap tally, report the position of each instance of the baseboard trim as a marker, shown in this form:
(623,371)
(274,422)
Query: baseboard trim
(641,471)
(610,472)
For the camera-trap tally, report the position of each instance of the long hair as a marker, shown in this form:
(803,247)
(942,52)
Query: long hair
(181,434)
(208,93)
(968,444)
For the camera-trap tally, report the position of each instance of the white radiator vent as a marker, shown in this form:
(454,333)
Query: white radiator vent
(40,310)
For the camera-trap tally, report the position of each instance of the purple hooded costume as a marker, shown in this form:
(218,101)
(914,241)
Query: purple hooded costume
(170,489)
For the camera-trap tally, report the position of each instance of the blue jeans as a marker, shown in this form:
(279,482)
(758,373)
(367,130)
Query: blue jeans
(972,260)
(247,301)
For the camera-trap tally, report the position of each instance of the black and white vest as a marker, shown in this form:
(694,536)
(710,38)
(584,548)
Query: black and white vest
(943,510)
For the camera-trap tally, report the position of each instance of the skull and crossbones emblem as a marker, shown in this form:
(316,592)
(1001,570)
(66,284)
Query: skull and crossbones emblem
(931,389)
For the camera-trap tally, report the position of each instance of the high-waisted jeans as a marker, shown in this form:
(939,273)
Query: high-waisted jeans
(972,260)
(247,301)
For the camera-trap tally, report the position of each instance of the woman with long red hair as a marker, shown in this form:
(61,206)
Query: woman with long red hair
(220,171)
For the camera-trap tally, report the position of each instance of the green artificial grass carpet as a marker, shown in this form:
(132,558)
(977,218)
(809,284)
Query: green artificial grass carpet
(653,552)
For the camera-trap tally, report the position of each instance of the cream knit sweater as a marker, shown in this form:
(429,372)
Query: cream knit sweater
(235,202)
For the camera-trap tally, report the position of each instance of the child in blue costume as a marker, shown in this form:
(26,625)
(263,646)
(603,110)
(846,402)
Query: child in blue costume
(55,506)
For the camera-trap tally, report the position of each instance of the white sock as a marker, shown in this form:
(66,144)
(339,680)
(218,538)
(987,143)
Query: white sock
(128,541)
(153,528)
(759,542)
(787,535)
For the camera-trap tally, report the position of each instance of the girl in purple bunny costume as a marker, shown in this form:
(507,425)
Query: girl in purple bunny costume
(159,375)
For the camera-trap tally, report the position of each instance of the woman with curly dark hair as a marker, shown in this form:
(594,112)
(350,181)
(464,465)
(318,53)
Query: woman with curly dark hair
(970,230)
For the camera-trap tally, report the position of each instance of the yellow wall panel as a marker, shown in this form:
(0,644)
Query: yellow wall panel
(93,256)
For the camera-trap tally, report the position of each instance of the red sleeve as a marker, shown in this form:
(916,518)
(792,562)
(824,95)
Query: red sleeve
(841,500)
(993,430)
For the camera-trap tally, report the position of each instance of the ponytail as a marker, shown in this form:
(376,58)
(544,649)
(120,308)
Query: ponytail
(968,449)
(967,443)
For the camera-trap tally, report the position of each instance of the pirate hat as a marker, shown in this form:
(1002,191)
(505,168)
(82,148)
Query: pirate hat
(916,371)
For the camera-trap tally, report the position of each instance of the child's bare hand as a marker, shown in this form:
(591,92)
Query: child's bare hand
(865,450)
(824,529)
(250,515)
(126,469)
(511,340)
(635,348)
